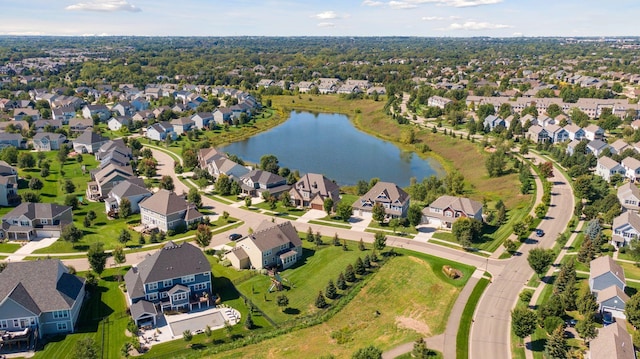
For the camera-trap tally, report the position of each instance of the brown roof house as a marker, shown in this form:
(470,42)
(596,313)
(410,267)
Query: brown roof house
(629,196)
(271,245)
(446,209)
(312,190)
(613,341)
(31,220)
(393,198)
(40,297)
(166,211)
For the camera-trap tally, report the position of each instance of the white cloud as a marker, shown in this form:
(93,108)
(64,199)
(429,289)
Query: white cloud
(326,24)
(104,6)
(433,18)
(401,5)
(517,34)
(467,3)
(372,3)
(473,25)
(326,15)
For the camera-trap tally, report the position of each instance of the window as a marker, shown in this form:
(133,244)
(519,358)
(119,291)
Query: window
(44,221)
(60,314)
(199,286)
(62,326)
(180,296)
(3,324)
(188,278)
(167,283)
(153,296)
(164,295)
(16,323)
(153,286)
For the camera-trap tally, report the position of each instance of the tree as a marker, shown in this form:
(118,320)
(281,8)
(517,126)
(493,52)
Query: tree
(588,305)
(269,163)
(310,236)
(344,211)
(26,160)
(510,245)
(361,246)
(35,184)
(71,234)
(632,310)
(30,197)
(328,205)
(523,321)
(359,267)
(378,212)
(420,350)
(394,223)
(539,260)
(341,282)
(44,172)
(68,186)
(541,211)
(586,328)
(282,301)
(552,323)
(10,155)
(194,197)
(556,346)
(587,252)
(330,291)
(320,301)
(86,348)
(379,241)
(97,257)
(187,335)
(223,185)
(495,164)
(336,240)
(203,235)
(466,230)
(349,274)
(414,214)
(125,207)
(86,222)
(125,236)
(369,352)
(454,183)
(118,255)
(546,169)
(166,182)
(248,323)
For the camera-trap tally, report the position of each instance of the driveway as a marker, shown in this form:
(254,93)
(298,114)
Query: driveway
(30,247)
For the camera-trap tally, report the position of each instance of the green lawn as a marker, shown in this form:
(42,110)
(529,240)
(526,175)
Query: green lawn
(103,318)
(7,247)
(462,338)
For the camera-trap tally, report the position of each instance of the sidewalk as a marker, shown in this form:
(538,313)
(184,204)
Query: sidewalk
(29,248)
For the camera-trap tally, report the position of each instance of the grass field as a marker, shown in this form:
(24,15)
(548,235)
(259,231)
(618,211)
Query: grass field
(462,338)
(426,300)
(9,247)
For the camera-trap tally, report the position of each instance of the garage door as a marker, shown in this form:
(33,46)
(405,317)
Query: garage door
(316,206)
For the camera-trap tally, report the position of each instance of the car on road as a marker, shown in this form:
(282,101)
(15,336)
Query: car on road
(571,322)
(235,236)
(539,232)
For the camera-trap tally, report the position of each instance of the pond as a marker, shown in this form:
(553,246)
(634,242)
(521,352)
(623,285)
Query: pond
(329,144)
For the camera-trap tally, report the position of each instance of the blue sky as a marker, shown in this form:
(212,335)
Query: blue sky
(441,18)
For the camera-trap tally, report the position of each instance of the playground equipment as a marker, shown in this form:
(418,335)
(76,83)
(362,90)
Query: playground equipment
(276,281)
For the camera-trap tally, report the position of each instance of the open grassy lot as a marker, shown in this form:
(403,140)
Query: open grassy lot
(426,301)
(103,318)
(9,247)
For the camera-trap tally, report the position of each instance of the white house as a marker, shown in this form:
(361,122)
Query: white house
(607,167)
(625,228)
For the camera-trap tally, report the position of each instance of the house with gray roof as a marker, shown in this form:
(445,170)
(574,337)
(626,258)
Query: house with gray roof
(270,245)
(626,227)
(613,341)
(46,141)
(77,125)
(202,119)
(31,220)
(132,189)
(312,190)
(41,297)
(101,111)
(629,196)
(393,198)
(114,151)
(104,179)
(8,185)
(182,125)
(447,209)
(632,168)
(12,140)
(605,272)
(89,142)
(596,147)
(165,211)
(178,276)
(159,131)
(217,164)
(612,300)
(256,182)
(607,167)
(222,115)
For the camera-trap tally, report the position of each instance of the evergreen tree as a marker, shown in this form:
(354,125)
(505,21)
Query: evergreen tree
(588,305)
(420,350)
(330,291)
(341,283)
(587,252)
(586,328)
(366,262)
(361,246)
(125,208)
(320,301)
(349,274)
(336,240)
(359,267)
(556,346)
(248,323)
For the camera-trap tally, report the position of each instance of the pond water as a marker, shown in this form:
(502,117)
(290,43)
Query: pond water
(329,144)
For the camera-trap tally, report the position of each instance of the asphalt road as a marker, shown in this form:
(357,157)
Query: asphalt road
(490,333)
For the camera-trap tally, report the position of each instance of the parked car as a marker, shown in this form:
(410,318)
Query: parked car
(571,322)
(539,232)
(235,236)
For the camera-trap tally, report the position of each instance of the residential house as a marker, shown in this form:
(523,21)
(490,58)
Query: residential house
(114,151)
(217,164)
(613,341)
(63,114)
(222,115)
(165,211)
(537,134)
(446,209)
(596,147)
(202,119)
(8,185)
(619,146)
(556,133)
(270,245)
(626,227)
(124,109)
(31,220)
(80,124)
(89,142)
(104,179)
(159,131)
(632,168)
(11,140)
(133,189)
(607,167)
(40,297)
(101,111)
(20,114)
(46,141)
(605,272)
(305,86)
(182,125)
(629,196)
(393,198)
(312,190)
(612,300)
(47,125)
(575,132)
(438,101)
(593,132)
(140,104)
(117,123)
(256,182)
(571,147)
(143,116)
(178,276)
(492,121)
